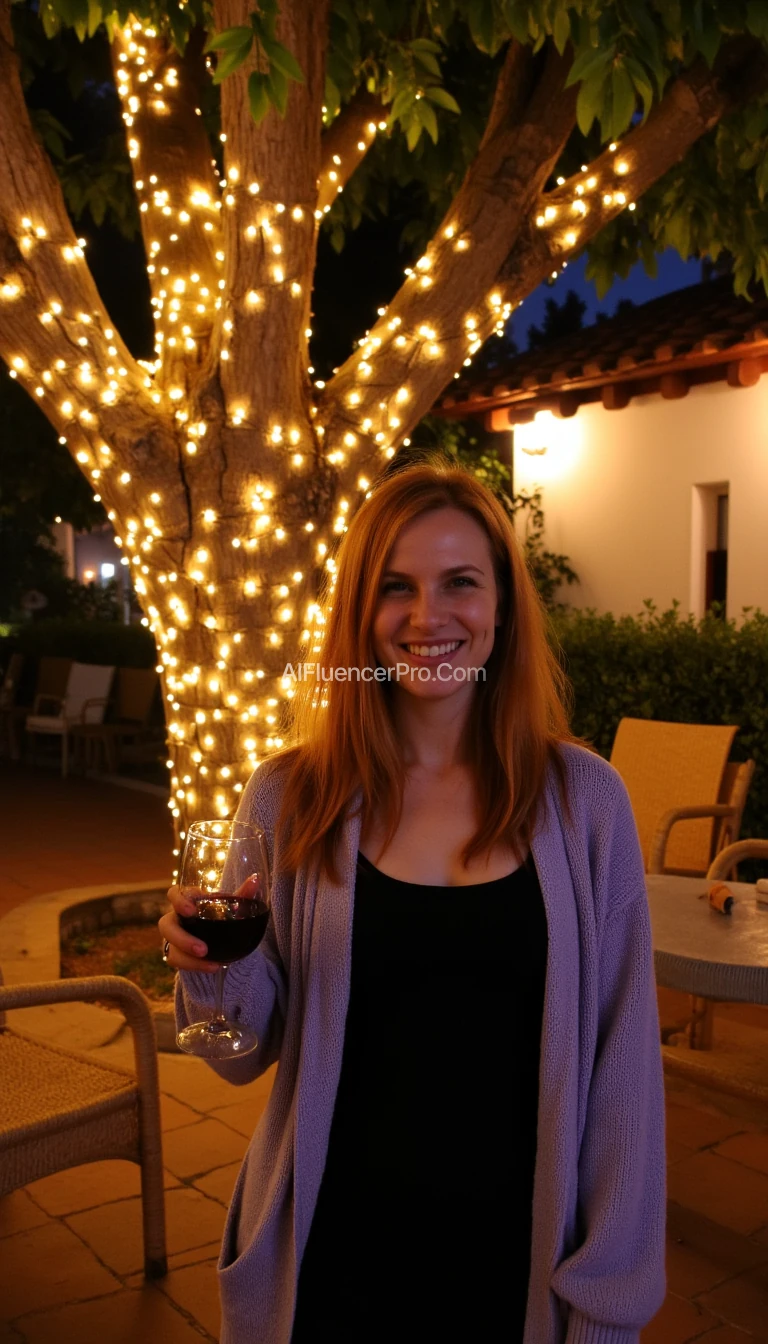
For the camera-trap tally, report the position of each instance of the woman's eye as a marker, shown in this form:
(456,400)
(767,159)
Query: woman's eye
(464,578)
(392,584)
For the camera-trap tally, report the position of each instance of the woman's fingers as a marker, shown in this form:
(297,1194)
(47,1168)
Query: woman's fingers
(185,953)
(250,887)
(181,902)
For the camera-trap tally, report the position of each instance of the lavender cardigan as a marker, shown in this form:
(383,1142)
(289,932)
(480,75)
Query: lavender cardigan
(599,1203)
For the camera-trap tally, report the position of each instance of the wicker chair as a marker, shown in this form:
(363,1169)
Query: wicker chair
(699,1026)
(59,1109)
(679,773)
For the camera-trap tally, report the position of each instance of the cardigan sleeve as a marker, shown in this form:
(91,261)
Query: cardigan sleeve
(255,988)
(615,1282)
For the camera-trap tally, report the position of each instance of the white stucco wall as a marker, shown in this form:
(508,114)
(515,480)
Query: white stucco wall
(619,495)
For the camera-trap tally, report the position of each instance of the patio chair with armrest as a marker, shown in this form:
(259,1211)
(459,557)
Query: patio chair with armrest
(60,1109)
(134,697)
(687,798)
(84,701)
(698,1027)
(52,676)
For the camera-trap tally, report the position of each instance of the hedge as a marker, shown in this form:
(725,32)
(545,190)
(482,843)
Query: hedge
(659,666)
(107,642)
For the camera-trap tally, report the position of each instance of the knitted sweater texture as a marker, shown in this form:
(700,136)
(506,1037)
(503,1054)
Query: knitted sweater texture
(599,1204)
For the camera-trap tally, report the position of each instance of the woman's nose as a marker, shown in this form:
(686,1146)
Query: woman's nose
(427,610)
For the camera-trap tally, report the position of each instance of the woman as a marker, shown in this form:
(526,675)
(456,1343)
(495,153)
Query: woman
(465,1137)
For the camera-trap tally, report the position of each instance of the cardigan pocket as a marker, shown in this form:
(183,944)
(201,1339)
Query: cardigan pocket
(228,1255)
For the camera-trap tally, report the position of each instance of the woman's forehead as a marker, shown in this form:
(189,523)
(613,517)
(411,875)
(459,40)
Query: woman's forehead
(444,531)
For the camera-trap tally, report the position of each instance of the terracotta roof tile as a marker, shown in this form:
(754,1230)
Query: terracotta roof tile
(698,321)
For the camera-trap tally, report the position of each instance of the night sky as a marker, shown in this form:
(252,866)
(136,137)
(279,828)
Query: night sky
(673,273)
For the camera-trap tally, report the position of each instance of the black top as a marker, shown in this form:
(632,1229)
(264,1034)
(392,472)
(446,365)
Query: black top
(423,1221)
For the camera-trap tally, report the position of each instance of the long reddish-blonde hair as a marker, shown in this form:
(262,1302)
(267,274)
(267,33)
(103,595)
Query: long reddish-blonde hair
(348,742)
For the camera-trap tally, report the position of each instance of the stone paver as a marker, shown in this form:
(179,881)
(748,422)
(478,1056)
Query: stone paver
(18,1213)
(742,1301)
(174,1114)
(751,1149)
(199,1148)
(219,1184)
(114,1230)
(727,1192)
(139,1316)
(87,1186)
(677,1322)
(47,1266)
(77,812)
(702,1253)
(195,1290)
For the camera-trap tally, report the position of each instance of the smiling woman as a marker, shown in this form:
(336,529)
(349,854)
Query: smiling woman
(458,884)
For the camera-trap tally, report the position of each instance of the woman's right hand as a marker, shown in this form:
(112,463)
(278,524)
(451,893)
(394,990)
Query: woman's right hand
(185,952)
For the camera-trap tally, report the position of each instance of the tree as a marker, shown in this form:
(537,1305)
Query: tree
(560,319)
(229,476)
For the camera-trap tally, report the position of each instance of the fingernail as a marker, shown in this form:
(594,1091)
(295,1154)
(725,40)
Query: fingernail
(200,949)
(188,908)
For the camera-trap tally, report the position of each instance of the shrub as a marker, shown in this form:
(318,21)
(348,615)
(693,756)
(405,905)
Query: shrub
(660,666)
(86,641)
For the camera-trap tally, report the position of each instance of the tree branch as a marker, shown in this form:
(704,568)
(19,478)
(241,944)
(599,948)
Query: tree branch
(55,333)
(563,221)
(345,144)
(270,228)
(447,305)
(54,329)
(178,192)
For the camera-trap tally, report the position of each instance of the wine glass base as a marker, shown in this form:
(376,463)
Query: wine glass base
(227,1042)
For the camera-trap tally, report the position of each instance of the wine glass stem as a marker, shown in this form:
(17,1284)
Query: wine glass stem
(218,1021)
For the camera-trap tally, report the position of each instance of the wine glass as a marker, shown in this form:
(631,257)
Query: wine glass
(225,874)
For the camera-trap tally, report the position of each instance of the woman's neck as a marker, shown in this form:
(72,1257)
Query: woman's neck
(431,732)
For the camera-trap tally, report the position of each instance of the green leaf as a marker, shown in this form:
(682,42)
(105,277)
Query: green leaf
(425,44)
(428,119)
(481,24)
(624,100)
(277,88)
(94,16)
(231,39)
(413,134)
(442,98)
(757,18)
(588,63)
(283,60)
(561,30)
(641,82)
(258,96)
(708,40)
(403,104)
(591,101)
(429,63)
(761,177)
(231,61)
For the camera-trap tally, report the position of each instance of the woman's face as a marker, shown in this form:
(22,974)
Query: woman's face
(438,605)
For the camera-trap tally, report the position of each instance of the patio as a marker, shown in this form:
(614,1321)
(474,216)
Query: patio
(70,1245)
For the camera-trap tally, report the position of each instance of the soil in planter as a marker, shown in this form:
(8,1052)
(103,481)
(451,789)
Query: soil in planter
(132,950)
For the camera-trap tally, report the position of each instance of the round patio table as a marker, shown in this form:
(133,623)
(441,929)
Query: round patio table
(698,950)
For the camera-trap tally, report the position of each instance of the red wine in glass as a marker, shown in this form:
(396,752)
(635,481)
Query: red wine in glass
(230,927)
(225,874)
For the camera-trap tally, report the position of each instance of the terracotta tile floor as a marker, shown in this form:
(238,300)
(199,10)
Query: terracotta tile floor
(76,832)
(70,1250)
